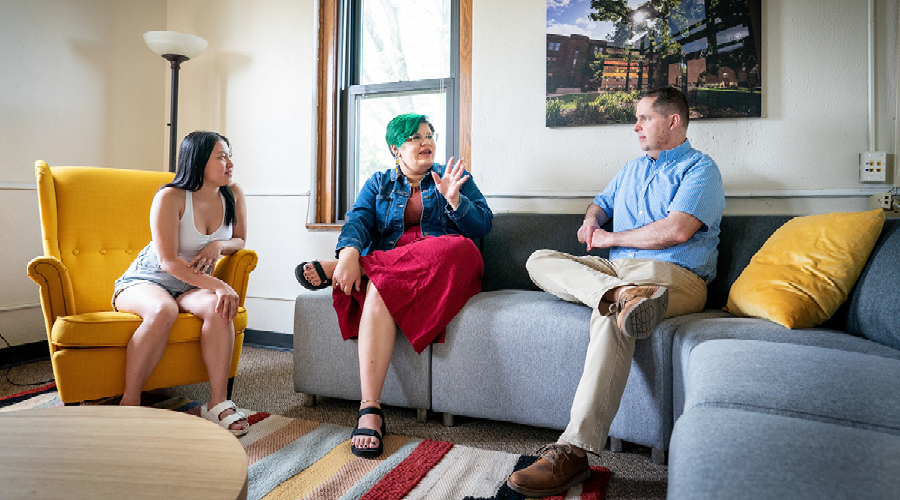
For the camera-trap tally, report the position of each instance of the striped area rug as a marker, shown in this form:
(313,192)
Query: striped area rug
(292,458)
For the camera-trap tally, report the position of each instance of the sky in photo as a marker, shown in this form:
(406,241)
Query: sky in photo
(570,17)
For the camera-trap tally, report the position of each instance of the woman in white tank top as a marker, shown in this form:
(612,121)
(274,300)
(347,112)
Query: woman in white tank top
(195,220)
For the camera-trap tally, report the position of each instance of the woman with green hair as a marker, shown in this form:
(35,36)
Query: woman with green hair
(405,259)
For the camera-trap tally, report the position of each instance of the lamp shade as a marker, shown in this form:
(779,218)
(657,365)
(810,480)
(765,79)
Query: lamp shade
(175,43)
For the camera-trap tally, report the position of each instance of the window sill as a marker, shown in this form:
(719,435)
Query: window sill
(324,226)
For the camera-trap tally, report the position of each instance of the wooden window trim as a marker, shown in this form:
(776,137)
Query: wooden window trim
(327,120)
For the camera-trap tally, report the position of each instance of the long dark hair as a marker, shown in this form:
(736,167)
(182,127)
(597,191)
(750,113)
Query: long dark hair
(193,155)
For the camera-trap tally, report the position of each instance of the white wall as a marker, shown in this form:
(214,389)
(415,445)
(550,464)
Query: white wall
(78,86)
(107,104)
(256,84)
(814,106)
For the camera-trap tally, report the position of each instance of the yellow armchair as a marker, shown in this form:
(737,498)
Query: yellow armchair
(94,222)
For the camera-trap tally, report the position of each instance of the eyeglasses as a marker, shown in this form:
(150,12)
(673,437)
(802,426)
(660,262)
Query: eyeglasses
(419,139)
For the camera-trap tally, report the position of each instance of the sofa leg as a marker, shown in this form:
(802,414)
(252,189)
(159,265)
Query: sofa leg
(308,400)
(658,456)
(230,388)
(615,445)
(447,419)
(73,404)
(421,415)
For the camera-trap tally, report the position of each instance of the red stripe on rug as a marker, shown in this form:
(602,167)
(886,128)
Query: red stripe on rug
(592,489)
(405,476)
(258,417)
(595,487)
(51,385)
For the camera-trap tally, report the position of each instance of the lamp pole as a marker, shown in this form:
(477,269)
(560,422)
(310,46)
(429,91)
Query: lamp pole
(176,48)
(175,60)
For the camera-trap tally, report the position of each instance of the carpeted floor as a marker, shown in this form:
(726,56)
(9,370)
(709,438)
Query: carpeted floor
(265,383)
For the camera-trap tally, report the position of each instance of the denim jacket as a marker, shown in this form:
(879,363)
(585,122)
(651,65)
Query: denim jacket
(376,220)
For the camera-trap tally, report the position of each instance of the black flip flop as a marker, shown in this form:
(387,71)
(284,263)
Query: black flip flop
(369,452)
(298,273)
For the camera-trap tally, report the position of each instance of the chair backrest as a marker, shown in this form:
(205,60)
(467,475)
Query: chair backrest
(95,220)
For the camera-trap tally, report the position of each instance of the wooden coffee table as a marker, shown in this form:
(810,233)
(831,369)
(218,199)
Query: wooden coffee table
(98,452)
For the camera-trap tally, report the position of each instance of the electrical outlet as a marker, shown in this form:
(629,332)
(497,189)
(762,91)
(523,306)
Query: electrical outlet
(881,200)
(873,167)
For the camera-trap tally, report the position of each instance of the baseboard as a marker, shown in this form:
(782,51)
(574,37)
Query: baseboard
(24,353)
(268,340)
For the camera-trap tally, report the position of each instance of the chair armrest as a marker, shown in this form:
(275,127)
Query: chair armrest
(57,297)
(235,270)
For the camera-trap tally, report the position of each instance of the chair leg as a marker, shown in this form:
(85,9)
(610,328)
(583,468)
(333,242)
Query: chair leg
(73,404)
(447,419)
(615,445)
(658,456)
(421,415)
(230,387)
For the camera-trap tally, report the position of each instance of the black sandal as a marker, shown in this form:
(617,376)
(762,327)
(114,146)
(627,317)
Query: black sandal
(369,452)
(298,273)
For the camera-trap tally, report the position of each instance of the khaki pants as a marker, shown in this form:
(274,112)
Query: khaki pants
(608,359)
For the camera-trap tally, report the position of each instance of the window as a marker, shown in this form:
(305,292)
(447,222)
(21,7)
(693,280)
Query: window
(378,59)
(553,46)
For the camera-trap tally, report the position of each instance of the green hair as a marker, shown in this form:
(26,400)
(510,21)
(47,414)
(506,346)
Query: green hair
(402,127)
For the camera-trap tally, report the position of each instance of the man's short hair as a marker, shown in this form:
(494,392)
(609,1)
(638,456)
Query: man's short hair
(670,101)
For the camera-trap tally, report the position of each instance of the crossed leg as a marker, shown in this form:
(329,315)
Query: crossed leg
(377,334)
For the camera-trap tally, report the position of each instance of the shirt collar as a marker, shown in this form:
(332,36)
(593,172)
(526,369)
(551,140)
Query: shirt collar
(672,154)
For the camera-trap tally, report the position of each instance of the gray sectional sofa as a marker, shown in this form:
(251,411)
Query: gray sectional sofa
(744,408)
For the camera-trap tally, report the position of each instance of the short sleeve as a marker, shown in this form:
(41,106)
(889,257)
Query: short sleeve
(700,192)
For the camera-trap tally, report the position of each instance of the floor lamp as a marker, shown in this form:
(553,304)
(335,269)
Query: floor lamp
(176,48)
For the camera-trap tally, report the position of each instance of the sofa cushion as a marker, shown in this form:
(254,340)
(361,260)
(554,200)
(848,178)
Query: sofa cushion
(512,355)
(514,237)
(814,383)
(741,237)
(873,310)
(327,365)
(806,269)
(693,333)
(719,453)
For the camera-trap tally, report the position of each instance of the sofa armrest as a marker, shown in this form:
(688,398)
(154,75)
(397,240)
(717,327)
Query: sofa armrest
(57,297)
(235,270)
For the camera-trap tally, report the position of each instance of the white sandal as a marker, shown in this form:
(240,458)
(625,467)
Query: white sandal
(213,416)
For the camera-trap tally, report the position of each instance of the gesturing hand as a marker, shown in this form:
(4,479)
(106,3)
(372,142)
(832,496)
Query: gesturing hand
(451,182)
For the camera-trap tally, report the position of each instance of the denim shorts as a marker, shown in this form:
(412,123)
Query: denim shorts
(146,269)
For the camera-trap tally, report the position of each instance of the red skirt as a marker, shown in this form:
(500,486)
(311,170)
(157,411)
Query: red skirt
(424,282)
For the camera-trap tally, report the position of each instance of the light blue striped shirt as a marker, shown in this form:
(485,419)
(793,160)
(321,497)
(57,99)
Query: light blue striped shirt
(682,179)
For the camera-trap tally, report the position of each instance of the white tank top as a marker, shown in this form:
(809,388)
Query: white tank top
(190,240)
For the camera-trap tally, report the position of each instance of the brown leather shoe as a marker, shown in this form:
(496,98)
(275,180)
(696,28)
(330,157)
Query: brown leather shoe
(557,470)
(641,308)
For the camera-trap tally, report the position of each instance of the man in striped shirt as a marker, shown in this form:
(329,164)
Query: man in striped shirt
(666,208)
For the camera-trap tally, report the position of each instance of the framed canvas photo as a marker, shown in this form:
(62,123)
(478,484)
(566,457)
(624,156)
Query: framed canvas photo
(601,54)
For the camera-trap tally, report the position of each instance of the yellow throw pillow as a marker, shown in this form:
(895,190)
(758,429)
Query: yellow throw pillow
(806,269)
